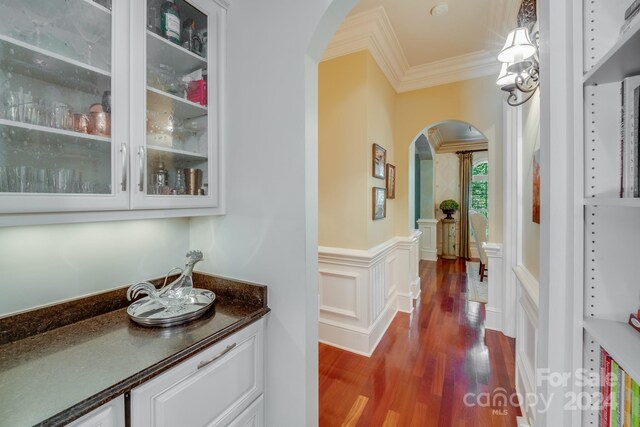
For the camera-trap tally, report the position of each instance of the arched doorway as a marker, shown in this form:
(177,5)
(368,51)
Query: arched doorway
(434,176)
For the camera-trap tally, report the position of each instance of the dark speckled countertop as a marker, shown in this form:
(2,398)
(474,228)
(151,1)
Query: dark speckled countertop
(54,377)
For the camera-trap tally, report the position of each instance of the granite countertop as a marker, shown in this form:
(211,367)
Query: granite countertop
(54,377)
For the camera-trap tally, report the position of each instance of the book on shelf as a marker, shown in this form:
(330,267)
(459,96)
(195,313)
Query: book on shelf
(630,17)
(629,137)
(632,10)
(620,395)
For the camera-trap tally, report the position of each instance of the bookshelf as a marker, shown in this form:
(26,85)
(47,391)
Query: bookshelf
(611,232)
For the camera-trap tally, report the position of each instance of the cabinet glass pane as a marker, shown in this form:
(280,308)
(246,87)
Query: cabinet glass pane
(177,113)
(55,85)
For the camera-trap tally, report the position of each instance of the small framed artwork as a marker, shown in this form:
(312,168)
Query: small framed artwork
(379,203)
(379,160)
(391,181)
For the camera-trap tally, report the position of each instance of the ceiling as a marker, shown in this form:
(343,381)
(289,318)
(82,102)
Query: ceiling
(467,27)
(452,136)
(415,49)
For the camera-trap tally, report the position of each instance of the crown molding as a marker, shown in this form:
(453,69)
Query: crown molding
(463,67)
(371,30)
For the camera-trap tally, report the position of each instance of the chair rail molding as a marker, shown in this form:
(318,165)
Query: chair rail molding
(362,290)
(429,239)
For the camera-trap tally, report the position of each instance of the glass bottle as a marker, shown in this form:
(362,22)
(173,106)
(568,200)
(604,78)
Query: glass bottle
(180,185)
(170,21)
(160,179)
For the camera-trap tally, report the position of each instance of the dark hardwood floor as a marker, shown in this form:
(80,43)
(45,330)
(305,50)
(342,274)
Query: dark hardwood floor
(424,365)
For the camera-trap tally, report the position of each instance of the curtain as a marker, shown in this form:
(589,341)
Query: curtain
(466,162)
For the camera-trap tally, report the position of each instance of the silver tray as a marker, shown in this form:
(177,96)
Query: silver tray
(149,311)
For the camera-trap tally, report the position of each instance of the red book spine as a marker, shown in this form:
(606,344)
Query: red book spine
(606,390)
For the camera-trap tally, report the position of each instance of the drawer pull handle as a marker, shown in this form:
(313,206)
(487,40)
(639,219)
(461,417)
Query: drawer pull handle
(217,356)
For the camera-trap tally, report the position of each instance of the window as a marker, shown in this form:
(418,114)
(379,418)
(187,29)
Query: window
(480,188)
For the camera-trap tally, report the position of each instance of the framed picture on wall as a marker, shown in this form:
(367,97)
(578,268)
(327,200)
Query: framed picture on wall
(391,181)
(379,203)
(379,161)
(536,187)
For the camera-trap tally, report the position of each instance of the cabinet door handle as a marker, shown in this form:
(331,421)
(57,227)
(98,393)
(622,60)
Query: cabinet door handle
(141,167)
(123,150)
(217,356)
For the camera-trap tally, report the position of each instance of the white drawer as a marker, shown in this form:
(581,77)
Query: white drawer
(110,414)
(210,389)
(253,416)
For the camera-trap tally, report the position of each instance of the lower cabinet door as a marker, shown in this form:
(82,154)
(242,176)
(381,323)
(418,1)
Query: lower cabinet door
(210,389)
(110,414)
(253,416)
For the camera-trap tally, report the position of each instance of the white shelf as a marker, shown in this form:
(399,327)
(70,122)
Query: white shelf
(620,340)
(22,58)
(158,100)
(621,61)
(25,131)
(162,51)
(97,6)
(183,154)
(630,202)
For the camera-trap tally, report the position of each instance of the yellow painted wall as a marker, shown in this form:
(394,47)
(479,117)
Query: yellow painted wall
(343,152)
(476,101)
(381,104)
(358,107)
(530,143)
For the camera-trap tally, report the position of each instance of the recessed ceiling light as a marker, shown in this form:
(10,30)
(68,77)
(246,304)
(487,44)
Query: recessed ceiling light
(440,9)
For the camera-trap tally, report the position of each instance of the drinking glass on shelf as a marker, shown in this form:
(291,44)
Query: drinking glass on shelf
(10,105)
(89,32)
(41,14)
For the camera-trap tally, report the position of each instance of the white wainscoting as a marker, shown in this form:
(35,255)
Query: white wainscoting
(361,291)
(428,239)
(526,338)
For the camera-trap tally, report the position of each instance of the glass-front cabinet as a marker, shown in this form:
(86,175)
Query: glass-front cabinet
(176,152)
(59,135)
(110,105)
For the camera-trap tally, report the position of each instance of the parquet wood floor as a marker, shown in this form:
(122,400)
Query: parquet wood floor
(424,365)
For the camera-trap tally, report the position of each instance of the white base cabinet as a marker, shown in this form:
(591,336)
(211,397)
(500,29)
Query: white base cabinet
(221,386)
(108,415)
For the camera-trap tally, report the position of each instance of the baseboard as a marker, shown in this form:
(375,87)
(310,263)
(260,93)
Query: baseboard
(429,255)
(357,340)
(494,319)
(415,288)
(405,302)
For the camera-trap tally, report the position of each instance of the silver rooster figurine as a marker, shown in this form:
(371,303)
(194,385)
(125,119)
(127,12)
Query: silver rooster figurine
(176,291)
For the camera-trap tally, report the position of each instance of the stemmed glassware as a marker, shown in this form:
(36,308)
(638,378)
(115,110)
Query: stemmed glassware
(41,13)
(89,32)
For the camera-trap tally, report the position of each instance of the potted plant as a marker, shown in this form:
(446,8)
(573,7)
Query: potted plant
(449,207)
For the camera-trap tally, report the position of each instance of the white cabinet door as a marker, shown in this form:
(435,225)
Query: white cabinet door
(253,416)
(63,64)
(108,415)
(176,130)
(210,389)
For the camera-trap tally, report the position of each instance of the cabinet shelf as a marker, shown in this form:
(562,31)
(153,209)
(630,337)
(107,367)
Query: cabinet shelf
(630,202)
(22,58)
(162,51)
(619,62)
(26,131)
(180,154)
(97,6)
(620,340)
(158,100)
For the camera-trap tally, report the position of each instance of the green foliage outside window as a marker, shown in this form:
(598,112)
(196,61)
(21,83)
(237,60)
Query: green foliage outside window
(480,189)
(479,192)
(480,169)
